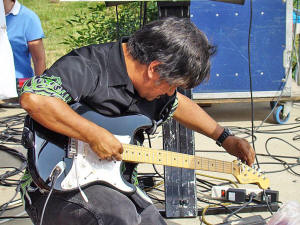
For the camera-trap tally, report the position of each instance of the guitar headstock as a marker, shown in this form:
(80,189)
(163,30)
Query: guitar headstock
(247,175)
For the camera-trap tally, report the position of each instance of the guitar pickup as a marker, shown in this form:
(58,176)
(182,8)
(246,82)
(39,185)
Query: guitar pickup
(72,148)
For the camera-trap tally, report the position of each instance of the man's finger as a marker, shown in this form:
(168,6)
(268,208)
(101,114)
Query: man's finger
(117,157)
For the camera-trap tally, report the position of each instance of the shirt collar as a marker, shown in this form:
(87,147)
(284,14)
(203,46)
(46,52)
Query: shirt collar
(117,67)
(15,9)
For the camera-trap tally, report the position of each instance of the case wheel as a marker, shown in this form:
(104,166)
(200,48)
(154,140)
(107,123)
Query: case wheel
(279,117)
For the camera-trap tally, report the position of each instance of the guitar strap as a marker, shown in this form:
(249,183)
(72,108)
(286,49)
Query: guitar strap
(139,202)
(27,135)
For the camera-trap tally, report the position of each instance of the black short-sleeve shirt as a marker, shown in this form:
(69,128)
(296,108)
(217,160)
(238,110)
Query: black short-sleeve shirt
(96,75)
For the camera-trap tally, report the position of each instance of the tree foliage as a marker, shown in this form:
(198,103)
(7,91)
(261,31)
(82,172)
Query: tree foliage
(101,25)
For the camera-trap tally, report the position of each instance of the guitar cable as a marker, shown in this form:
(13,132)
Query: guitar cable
(77,180)
(55,174)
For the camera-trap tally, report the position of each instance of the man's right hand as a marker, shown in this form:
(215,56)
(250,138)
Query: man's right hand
(106,145)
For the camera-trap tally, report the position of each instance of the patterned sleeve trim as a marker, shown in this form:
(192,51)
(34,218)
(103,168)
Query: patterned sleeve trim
(48,86)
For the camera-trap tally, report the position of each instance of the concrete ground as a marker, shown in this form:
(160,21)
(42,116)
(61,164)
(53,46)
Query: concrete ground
(277,138)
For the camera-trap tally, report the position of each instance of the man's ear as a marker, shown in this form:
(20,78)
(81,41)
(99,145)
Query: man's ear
(152,69)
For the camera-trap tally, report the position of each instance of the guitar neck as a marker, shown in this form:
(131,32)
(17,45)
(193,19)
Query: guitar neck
(133,153)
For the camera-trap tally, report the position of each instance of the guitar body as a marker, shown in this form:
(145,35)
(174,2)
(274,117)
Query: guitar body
(82,166)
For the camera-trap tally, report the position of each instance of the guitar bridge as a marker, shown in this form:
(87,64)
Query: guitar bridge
(72,148)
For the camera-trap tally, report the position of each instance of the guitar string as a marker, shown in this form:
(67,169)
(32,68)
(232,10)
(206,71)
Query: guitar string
(204,163)
(208,164)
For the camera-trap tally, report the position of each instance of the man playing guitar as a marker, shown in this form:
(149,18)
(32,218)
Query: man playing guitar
(136,75)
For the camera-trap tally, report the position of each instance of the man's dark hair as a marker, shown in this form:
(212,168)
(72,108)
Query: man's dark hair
(179,45)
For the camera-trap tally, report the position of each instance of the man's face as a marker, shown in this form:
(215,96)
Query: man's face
(154,88)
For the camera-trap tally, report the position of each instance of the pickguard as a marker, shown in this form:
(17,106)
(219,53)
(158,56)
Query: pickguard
(87,168)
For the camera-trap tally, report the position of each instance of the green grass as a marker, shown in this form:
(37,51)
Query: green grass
(53,15)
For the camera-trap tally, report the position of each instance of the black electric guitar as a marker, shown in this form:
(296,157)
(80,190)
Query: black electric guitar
(83,167)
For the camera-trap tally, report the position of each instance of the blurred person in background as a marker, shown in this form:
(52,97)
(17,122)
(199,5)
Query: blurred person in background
(7,78)
(26,35)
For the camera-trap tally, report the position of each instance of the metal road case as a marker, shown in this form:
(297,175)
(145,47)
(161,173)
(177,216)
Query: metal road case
(227,27)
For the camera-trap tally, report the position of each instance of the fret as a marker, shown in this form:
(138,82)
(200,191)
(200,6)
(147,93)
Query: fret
(147,155)
(153,156)
(128,155)
(124,155)
(186,161)
(191,162)
(173,160)
(197,163)
(179,158)
(133,155)
(140,154)
(165,157)
(223,165)
(144,152)
(205,164)
(194,163)
(229,167)
(218,165)
(161,158)
(210,165)
(169,158)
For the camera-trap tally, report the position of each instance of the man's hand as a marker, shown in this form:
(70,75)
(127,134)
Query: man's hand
(106,145)
(240,148)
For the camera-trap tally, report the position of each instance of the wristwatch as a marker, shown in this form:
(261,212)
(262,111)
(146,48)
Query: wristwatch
(226,132)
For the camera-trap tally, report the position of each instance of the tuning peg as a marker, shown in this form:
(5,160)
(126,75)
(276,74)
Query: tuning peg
(255,167)
(239,162)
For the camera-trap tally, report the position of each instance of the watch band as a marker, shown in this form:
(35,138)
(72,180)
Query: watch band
(226,132)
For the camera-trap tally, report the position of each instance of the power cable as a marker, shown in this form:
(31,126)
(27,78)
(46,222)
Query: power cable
(4,206)
(267,201)
(277,158)
(5,219)
(19,156)
(251,196)
(250,81)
